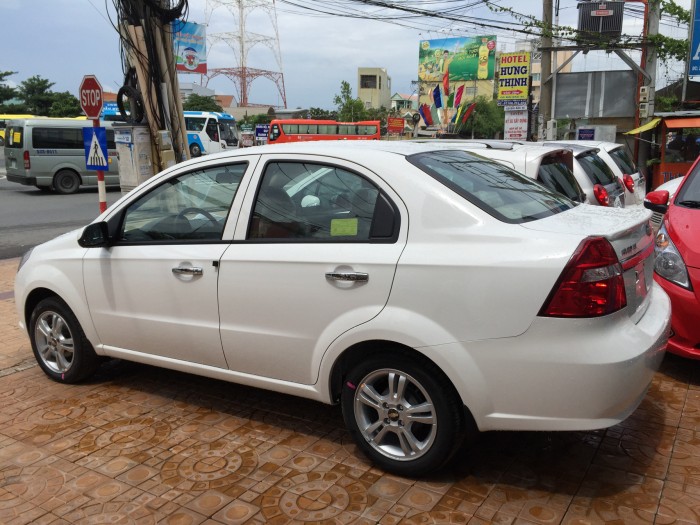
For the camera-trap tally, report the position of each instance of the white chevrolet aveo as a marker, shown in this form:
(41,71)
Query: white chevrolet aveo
(430,292)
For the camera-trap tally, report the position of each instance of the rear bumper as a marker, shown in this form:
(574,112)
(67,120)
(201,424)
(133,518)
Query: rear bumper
(566,374)
(27,181)
(685,321)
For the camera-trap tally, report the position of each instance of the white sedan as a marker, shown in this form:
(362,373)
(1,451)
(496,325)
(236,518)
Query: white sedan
(429,291)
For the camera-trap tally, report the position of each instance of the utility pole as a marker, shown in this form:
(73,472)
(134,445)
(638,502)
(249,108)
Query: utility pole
(546,86)
(649,65)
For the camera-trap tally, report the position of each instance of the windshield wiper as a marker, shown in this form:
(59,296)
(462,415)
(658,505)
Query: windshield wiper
(690,204)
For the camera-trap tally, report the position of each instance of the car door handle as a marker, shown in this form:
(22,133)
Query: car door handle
(348,276)
(191,270)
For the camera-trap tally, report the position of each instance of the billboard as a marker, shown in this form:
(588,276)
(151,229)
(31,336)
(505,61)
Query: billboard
(513,78)
(466,58)
(190,47)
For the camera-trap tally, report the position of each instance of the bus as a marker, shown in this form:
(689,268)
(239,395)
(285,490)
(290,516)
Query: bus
(4,118)
(297,130)
(210,132)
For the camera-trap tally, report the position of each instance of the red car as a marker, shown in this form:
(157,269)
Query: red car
(677,265)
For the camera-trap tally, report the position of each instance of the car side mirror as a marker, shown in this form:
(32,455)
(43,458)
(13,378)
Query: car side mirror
(95,235)
(657,201)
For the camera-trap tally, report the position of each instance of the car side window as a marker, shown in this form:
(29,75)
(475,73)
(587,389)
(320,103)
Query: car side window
(191,207)
(319,202)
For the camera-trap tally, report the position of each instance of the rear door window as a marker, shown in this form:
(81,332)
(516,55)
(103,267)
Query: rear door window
(623,161)
(14,137)
(556,175)
(598,172)
(501,192)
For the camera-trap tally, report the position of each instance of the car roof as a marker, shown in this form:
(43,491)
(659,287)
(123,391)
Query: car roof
(601,144)
(573,146)
(342,147)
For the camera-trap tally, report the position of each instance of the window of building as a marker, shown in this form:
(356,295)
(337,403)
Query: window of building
(368,81)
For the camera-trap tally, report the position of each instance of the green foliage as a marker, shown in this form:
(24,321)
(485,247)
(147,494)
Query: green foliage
(349,109)
(36,94)
(662,103)
(318,113)
(6,92)
(487,119)
(196,102)
(666,48)
(65,105)
(260,118)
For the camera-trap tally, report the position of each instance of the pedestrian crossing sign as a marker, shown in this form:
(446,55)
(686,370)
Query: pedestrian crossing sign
(96,154)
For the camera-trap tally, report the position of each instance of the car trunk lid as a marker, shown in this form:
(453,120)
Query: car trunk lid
(630,234)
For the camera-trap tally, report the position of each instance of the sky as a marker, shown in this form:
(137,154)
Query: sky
(63,40)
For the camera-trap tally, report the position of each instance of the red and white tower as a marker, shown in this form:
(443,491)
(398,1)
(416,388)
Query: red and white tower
(241,42)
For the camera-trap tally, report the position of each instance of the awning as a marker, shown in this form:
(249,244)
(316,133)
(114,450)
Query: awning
(676,123)
(646,127)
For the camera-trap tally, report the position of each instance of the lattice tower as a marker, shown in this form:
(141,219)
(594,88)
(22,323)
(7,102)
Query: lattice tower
(241,42)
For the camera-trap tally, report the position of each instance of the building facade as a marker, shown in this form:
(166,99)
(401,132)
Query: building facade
(374,87)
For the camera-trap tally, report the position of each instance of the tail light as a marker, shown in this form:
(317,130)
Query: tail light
(591,284)
(601,195)
(27,163)
(629,182)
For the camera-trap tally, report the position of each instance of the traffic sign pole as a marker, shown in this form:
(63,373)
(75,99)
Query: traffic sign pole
(101,190)
(91,104)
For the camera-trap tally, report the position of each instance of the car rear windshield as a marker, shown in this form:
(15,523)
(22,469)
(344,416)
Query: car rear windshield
(556,175)
(14,137)
(598,172)
(498,190)
(623,161)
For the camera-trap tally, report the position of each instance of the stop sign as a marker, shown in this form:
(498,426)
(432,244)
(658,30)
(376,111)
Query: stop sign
(91,97)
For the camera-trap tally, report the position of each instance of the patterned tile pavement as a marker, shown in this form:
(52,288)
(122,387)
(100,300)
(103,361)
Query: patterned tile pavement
(140,445)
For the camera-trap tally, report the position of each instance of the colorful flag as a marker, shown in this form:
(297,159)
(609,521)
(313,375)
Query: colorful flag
(457,114)
(436,97)
(427,116)
(458,96)
(446,81)
(450,101)
(435,114)
(468,112)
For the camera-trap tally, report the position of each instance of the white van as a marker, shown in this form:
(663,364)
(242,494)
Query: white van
(49,153)
(620,162)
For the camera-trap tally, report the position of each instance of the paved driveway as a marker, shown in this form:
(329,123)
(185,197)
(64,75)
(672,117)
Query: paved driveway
(140,445)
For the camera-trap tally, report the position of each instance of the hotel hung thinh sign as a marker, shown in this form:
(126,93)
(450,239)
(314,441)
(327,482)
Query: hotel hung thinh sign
(514,79)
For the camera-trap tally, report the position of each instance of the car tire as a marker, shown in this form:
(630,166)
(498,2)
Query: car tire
(195,150)
(66,182)
(379,399)
(59,343)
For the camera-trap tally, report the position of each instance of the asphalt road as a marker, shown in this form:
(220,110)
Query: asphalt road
(29,216)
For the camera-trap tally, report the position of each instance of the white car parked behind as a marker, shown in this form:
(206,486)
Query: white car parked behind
(428,291)
(620,162)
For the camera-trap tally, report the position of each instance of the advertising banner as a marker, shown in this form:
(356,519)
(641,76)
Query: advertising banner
(513,78)
(395,125)
(463,58)
(515,125)
(190,47)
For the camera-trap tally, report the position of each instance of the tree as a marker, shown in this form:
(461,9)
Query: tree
(6,92)
(318,113)
(486,121)
(36,93)
(65,105)
(195,102)
(349,109)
